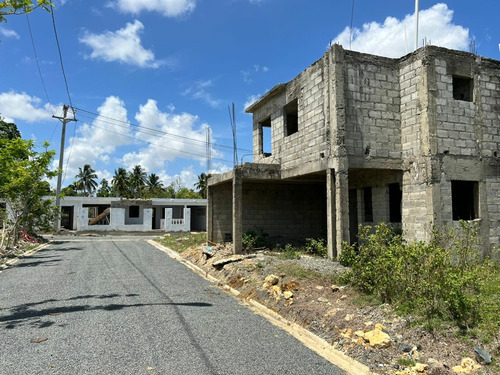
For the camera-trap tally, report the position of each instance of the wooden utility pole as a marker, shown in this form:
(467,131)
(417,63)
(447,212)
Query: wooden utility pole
(64,121)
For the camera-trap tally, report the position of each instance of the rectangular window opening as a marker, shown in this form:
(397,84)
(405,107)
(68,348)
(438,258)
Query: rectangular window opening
(133,211)
(265,139)
(464,200)
(395,196)
(462,88)
(291,112)
(368,204)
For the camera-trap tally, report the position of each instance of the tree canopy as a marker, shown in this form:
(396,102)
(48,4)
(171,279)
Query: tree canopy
(86,180)
(23,184)
(12,7)
(8,130)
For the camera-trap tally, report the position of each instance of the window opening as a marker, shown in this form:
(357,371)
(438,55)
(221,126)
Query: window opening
(266,137)
(462,88)
(291,117)
(464,200)
(395,196)
(133,211)
(367,200)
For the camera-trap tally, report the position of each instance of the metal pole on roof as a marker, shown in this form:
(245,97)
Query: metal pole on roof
(416,25)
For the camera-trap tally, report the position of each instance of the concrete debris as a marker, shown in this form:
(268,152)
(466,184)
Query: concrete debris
(467,366)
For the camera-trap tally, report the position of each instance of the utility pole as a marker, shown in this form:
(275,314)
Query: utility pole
(64,121)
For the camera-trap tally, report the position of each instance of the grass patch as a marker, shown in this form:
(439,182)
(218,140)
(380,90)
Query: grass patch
(296,270)
(406,362)
(182,241)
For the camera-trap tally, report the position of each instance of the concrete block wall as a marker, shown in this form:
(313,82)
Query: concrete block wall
(373,120)
(310,140)
(493,192)
(288,211)
(222,211)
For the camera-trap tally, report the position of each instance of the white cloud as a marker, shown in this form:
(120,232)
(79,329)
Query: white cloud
(8,33)
(250,100)
(21,106)
(98,140)
(199,91)
(394,38)
(123,45)
(170,136)
(247,74)
(168,8)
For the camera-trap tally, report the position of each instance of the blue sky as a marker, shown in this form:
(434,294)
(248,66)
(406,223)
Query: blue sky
(148,77)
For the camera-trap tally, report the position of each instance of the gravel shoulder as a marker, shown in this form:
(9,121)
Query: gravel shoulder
(305,292)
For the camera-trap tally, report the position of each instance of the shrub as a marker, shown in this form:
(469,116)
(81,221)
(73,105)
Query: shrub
(252,240)
(440,279)
(316,247)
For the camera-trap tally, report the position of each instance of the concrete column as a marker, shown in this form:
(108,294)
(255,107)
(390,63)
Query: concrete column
(330,214)
(210,197)
(187,219)
(342,208)
(168,220)
(237,211)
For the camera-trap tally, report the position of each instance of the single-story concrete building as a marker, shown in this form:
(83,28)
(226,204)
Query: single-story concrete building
(118,214)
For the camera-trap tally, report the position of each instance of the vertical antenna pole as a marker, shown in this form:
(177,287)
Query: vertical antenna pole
(416,25)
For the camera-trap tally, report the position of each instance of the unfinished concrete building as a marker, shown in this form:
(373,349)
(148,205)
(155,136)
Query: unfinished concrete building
(362,139)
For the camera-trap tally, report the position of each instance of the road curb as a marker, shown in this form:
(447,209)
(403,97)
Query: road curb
(313,342)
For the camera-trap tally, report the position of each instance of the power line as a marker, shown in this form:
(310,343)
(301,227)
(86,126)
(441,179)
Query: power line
(155,144)
(145,129)
(61,61)
(38,64)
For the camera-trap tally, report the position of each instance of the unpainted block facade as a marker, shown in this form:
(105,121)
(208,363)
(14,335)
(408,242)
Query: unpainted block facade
(361,139)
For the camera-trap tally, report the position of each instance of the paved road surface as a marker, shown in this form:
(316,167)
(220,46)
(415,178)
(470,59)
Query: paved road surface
(117,305)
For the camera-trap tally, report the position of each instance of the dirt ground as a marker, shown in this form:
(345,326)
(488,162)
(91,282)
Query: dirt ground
(338,315)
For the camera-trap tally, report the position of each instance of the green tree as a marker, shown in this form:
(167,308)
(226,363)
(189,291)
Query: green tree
(120,182)
(22,185)
(185,193)
(137,181)
(155,188)
(70,190)
(104,189)
(86,180)
(12,7)
(202,184)
(8,130)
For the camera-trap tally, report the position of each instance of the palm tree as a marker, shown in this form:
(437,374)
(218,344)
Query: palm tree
(201,185)
(137,180)
(120,181)
(154,181)
(86,180)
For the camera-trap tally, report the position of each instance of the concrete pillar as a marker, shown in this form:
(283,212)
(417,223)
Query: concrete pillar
(342,208)
(168,219)
(330,214)
(237,211)
(187,219)
(210,197)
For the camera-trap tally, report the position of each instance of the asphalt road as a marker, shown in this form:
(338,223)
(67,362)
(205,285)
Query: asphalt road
(117,305)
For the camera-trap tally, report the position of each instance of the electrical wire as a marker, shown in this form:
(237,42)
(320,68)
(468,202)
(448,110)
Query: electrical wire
(156,144)
(147,130)
(61,60)
(38,64)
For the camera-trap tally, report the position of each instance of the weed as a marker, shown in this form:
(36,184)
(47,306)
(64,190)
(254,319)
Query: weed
(290,253)
(183,241)
(251,239)
(406,362)
(316,247)
(443,280)
(297,271)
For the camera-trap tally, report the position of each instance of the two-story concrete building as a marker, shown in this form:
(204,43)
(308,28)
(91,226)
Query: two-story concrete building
(362,139)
